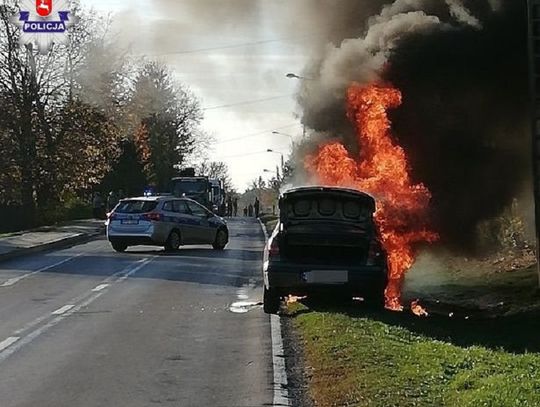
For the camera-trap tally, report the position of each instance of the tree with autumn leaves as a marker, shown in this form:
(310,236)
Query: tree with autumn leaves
(73,117)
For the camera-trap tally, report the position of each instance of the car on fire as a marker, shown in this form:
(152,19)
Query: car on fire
(325,243)
(164,221)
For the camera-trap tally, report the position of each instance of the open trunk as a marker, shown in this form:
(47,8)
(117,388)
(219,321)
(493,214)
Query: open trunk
(326,225)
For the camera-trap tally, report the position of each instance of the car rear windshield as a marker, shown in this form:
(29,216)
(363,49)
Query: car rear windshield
(321,207)
(136,206)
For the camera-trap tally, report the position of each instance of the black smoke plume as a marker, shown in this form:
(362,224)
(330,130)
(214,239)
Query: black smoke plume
(462,68)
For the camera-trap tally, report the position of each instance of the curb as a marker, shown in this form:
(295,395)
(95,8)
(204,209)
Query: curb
(280,380)
(55,244)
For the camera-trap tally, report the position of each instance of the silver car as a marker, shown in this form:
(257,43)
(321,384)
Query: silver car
(164,221)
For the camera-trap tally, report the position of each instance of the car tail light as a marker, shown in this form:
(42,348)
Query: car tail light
(375,253)
(273,248)
(152,216)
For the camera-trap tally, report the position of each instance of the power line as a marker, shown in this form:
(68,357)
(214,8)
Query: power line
(241,154)
(257,134)
(240,45)
(247,102)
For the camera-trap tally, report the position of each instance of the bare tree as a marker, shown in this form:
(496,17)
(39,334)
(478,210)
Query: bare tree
(217,169)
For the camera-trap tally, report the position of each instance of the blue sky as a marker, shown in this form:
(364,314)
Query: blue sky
(194,38)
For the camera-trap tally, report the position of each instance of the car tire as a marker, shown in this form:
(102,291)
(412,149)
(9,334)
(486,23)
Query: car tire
(221,240)
(119,247)
(271,301)
(173,241)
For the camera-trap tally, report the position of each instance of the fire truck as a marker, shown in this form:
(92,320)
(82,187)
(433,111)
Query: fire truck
(218,196)
(208,192)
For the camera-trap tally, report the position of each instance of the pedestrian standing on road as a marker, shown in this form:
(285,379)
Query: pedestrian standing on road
(229,207)
(245,211)
(235,207)
(250,210)
(97,205)
(257,207)
(112,201)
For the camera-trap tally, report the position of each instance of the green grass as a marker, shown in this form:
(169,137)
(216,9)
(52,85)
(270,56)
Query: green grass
(373,361)
(359,358)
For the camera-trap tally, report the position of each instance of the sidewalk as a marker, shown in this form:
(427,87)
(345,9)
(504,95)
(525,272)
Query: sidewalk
(49,237)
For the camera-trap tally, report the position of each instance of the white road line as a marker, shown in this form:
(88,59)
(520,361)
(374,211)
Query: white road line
(118,276)
(63,309)
(85,300)
(15,280)
(100,287)
(281,394)
(8,342)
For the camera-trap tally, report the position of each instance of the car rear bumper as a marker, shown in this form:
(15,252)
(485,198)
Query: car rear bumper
(134,240)
(292,278)
(154,234)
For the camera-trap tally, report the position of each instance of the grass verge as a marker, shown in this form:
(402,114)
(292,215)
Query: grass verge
(382,360)
(359,358)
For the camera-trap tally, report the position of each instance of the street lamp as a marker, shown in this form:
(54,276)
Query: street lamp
(283,134)
(292,75)
(269,150)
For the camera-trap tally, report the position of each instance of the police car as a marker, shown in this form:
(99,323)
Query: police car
(164,221)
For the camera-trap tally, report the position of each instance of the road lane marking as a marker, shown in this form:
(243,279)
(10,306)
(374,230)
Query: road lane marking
(15,280)
(63,309)
(118,276)
(83,301)
(281,394)
(100,287)
(8,342)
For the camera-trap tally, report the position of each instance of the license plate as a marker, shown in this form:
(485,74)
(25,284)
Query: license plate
(327,276)
(129,222)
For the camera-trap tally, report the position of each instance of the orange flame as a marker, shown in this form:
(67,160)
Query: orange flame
(291,299)
(382,171)
(418,310)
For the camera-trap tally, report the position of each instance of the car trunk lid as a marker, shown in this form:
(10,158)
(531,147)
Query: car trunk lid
(326,226)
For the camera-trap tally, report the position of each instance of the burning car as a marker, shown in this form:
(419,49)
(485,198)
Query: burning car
(325,243)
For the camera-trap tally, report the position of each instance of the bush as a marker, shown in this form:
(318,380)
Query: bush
(15,218)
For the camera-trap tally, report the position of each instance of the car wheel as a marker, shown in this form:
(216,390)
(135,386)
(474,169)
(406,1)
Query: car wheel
(271,301)
(119,247)
(173,241)
(221,240)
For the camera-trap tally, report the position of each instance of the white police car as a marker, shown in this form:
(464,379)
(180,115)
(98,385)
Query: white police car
(164,221)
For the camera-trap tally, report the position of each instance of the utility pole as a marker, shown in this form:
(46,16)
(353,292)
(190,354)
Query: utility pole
(534,81)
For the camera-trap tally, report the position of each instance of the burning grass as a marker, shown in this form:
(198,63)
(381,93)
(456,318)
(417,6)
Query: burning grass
(381,360)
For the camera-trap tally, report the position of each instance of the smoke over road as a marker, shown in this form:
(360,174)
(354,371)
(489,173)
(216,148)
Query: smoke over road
(462,69)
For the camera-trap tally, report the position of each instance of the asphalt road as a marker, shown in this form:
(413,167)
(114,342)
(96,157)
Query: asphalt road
(87,326)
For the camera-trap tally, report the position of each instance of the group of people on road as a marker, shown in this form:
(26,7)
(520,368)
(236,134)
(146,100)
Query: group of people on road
(253,209)
(231,208)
